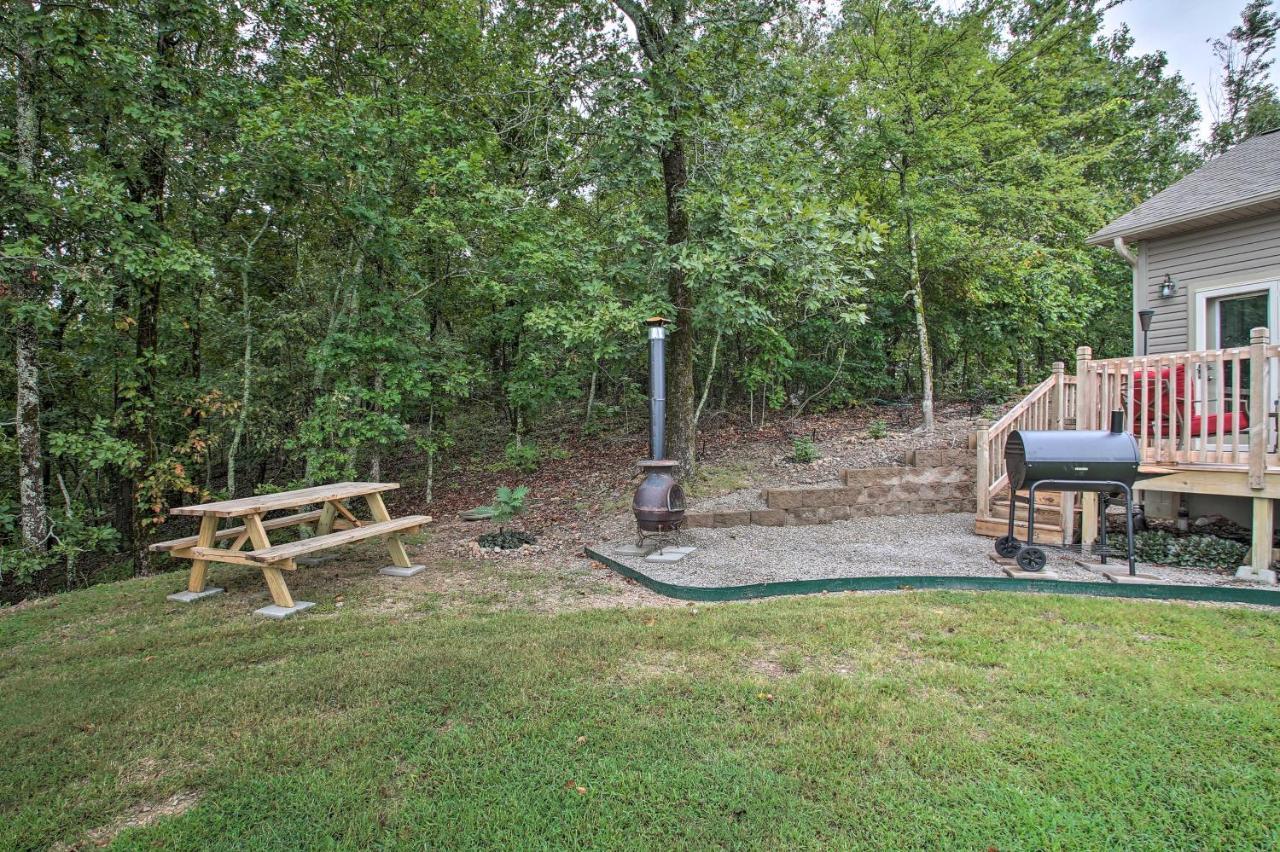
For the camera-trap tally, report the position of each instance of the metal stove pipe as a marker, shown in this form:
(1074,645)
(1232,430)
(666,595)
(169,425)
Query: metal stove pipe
(657,386)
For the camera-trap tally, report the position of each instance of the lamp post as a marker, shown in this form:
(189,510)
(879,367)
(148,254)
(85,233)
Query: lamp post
(1140,509)
(1144,320)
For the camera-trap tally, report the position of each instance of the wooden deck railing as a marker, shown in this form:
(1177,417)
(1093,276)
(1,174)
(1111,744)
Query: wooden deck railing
(1050,405)
(1209,408)
(1215,408)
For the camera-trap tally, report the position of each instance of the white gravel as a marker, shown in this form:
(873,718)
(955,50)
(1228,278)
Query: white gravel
(866,547)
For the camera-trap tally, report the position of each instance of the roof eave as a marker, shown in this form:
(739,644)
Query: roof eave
(1259,204)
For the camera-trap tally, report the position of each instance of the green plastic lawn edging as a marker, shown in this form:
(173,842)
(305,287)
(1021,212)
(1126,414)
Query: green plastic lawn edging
(911,582)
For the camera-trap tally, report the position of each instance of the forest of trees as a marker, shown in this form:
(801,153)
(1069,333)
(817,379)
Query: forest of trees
(253,244)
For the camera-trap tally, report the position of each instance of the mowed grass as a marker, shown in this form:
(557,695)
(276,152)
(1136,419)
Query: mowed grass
(942,720)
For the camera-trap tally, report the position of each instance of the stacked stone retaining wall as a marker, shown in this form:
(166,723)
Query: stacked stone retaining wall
(932,482)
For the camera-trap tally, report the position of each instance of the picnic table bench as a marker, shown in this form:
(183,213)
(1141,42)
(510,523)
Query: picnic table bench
(333,525)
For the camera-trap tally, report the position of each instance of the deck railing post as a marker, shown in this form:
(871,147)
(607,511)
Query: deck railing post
(1066,507)
(1059,394)
(982,435)
(1258,393)
(1084,388)
(1259,400)
(1085,404)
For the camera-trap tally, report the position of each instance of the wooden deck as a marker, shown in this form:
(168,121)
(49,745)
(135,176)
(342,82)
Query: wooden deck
(1206,423)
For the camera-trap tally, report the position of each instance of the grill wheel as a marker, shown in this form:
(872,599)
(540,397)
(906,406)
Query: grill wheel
(1007,546)
(1032,559)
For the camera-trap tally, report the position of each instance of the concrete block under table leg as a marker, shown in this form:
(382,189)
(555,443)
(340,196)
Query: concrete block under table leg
(190,597)
(407,571)
(279,612)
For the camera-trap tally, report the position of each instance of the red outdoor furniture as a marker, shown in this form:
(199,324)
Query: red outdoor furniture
(1177,393)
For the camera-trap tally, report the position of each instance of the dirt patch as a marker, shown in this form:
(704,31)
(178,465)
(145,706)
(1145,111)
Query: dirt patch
(546,584)
(771,669)
(139,816)
(654,665)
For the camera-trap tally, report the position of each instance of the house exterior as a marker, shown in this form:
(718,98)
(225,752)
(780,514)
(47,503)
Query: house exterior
(1205,254)
(1215,237)
(1201,392)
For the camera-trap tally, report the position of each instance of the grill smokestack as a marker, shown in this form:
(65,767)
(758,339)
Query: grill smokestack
(657,387)
(1117,422)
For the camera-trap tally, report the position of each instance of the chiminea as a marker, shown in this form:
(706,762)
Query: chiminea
(659,501)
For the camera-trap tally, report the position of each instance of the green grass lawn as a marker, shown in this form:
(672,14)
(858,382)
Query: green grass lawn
(886,721)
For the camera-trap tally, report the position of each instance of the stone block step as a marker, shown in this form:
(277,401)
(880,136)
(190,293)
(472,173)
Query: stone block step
(912,475)
(872,475)
(808,515)
(825,497)
(942,457)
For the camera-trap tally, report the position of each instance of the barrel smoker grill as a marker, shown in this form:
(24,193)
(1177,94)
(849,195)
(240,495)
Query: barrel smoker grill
(1102,461)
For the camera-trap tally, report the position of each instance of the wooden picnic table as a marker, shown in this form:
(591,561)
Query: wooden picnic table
(333,524)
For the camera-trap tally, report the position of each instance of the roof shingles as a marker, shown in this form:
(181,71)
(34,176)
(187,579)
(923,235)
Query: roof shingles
(1245,178)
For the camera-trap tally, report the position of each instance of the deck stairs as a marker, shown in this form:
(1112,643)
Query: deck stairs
(1049,512)
(1050,406)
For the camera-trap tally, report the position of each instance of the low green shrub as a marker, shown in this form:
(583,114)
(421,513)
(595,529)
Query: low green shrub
(522,457)
(878,429)
(1192,551)
(507,504)
(803,450)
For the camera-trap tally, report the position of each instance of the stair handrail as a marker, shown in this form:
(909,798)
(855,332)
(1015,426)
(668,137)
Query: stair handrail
(1049,405)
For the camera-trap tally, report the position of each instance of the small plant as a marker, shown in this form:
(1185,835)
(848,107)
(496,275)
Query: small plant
(878,429)
(1191,551)
(508,504)
(523,457)
(803,450)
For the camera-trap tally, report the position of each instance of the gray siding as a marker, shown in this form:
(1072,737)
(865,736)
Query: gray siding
(1234,253)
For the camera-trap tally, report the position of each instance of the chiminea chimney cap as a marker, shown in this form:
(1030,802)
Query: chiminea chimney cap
(656,321)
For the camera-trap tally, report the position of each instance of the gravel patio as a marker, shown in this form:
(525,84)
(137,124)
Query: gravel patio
(935,545)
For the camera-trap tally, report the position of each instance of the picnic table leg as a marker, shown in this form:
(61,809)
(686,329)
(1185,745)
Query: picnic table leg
(200,567)
(401,566)
(196,581)
(324,526)
(284,604)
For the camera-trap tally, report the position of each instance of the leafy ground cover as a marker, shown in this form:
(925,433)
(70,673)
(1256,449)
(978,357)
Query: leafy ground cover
(451,719)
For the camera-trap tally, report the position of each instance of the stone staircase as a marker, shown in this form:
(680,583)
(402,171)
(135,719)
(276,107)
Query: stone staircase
(931,482)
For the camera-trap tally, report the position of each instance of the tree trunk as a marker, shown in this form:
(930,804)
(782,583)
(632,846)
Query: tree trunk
(922,328)
(591,397)
(431,454)
(247,367)
(682,428)
(656,44)
(35,512)
(711,372)
(152,190)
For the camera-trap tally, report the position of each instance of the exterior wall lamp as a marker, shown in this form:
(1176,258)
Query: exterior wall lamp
(1168,287)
